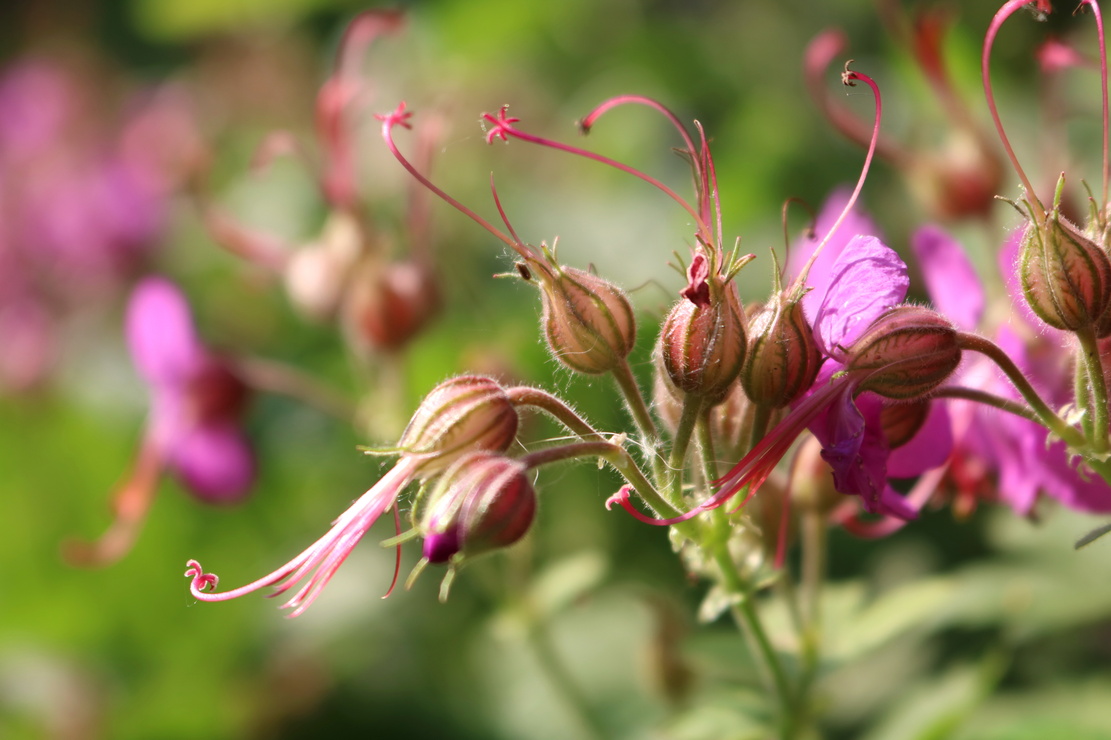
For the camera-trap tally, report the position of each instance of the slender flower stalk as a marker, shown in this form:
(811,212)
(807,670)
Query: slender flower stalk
(997,21)
(501,127)
(849,78)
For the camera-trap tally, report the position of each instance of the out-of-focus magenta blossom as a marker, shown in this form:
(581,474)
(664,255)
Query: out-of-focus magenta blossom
(193,430)
(81,206)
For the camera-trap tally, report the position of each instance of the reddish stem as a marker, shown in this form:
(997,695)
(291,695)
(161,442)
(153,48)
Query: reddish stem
(588,122)
(1103,82)
(997,21)
(848,77)
(504,127)
(400,117)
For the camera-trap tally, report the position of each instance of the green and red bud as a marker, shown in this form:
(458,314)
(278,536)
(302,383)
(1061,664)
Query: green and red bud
(702,344)
(587,320)
(907,352)
(485,501)
(783,357)
(1065,276)
(387,305)
(460,415)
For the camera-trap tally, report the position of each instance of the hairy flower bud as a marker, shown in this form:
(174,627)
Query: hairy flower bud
(783,358)
(388,305)
(460,415)
(702,345)
(316,275)
(901,421)
(484,502)
(1065,276)
(588,321)
(961,180)
(906,353)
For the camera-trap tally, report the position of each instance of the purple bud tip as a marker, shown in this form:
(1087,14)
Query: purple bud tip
(440,546)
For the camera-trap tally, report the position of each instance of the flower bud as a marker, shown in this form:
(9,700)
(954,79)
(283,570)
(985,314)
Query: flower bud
(1065,276)
(960,181)
(588,321)
(702,345)
(216,392)
(783,358)
(388,305)
(484,502)
(317,274)
(901,421)
(462,414)
(906,353)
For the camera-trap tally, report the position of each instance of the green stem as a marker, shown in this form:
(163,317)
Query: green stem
(1098,406)
(1082,397)
(988,399)
(638,409)
(635,401)
(560,411)
(623,463)
(761,417)
(676,462)
(1045,415)
(706,446)
(565,685)
(746,617)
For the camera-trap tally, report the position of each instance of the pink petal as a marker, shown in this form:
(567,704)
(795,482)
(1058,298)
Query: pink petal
(950,279)
(929,448)
(215,462)
(160,333)
(865,280)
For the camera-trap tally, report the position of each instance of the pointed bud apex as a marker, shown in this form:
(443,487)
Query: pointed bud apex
(466,413)
(702,345)
(484,502)
(1066,277)
(388,305)
(906,353)
(783,358)
(588,321)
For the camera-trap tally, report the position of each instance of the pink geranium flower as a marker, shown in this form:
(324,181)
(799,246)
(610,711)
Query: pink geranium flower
(193,430)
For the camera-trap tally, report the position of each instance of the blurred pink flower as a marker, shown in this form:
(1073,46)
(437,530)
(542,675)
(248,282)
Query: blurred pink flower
(193,430)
